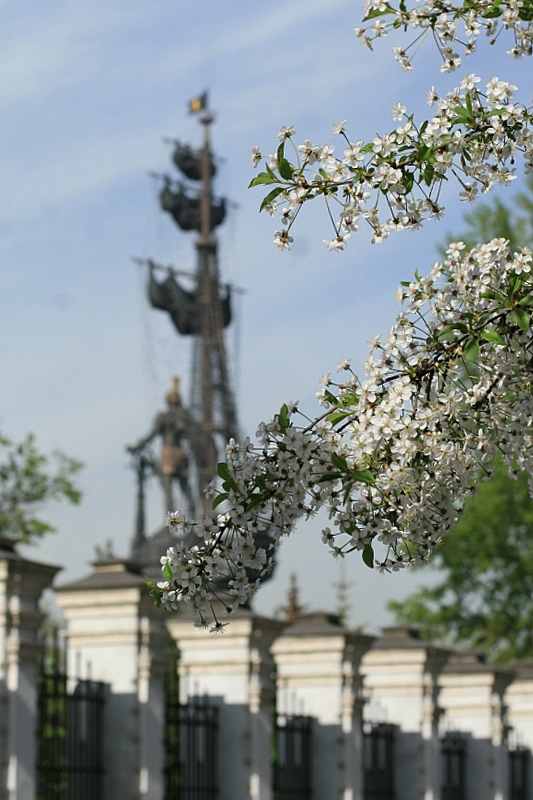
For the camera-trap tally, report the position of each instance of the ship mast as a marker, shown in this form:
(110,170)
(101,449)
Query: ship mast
(209,380)
(206,311)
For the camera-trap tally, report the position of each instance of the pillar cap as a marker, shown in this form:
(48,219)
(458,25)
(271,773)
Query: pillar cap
(109,573)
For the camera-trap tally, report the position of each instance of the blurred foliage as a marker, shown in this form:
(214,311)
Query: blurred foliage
(495,218)
(28,480)
(485,600)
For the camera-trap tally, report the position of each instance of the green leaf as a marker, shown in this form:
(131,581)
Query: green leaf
(471,350)
(521,317)
(375,12)
(339,462)
(283,418)
(368,556)
(492,12)
(329,476)
(515,282)
(254,502)
(271,196)
(408,180)
(457,326)
(337,416)
(363,475)
(428,174)
(462,112)
(492,336)
(167,572)
(423,152)
(219,499)
(263,177)
(260,481)
(350,398)
(285,169)
(223,471)
(332,399)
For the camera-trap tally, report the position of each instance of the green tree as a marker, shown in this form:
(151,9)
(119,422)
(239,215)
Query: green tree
(28,480)
(485,600)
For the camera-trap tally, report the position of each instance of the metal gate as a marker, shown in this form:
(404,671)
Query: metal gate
(69,738)
(378,761)
(453,754)
(191,733)
(518,773)
(292,757)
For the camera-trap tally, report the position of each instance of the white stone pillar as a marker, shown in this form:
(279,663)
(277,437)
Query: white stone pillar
(22,583)
(401,681)
(472,697)
(235,672)
(115,634)
(317,663)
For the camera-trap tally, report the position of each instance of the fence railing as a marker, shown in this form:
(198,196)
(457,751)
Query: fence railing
(519,759)
(292,767)
(453,759)
(378,761)
(191,740)
(70,757)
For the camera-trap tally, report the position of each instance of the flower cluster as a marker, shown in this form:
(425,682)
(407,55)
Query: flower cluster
(452,26)
(394,182)
(393,456)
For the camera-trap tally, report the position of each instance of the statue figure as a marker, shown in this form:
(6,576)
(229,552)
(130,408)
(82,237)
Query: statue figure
(173,426)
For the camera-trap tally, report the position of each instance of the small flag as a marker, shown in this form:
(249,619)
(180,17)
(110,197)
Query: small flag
(198,103)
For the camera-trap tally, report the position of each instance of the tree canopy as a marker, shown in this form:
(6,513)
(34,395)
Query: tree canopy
(29,479)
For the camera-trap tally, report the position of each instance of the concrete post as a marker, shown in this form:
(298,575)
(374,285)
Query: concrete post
(235,671)
(472,697)
(401,681)
(115,634)
(22,583)
(317,663)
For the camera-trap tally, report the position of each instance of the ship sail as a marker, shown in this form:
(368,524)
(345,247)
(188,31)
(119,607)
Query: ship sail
(189,161)
(186,210)
(182,305)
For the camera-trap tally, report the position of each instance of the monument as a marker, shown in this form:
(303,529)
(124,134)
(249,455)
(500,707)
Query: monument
(173,426)
(193,437)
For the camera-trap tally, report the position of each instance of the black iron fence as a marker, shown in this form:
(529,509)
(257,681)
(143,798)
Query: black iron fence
(191,733)
(378,761)
(519,773)
(69,738)
(292,768)
(453,759)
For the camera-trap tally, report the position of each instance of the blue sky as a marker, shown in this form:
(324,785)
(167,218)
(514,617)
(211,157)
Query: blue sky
(87,93)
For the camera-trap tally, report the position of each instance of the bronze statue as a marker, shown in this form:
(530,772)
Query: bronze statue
(173,426)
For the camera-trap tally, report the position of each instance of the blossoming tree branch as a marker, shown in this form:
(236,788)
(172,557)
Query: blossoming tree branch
(394,454)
